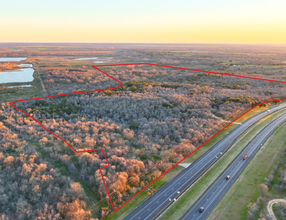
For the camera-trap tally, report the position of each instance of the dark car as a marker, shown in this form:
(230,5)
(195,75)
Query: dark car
(201,209)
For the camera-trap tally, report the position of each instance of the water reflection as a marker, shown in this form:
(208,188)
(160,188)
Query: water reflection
(9,59)
(14,76)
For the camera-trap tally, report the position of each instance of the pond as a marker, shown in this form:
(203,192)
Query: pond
(17,76)
(98,62)
(19,86)
(91,58)
(9,59)
(25,65)
(23,74)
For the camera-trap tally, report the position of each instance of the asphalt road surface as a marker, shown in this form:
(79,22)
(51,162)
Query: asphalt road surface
(215,193)
(168,194)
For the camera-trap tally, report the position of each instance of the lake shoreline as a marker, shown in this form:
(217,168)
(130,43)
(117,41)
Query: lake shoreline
(13,72)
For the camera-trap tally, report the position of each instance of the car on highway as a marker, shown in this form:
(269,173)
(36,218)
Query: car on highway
(245,156)
(227,177)
(201,209)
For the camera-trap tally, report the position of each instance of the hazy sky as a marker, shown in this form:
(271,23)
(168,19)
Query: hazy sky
(251,21)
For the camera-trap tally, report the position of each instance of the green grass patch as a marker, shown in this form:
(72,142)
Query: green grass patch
(12,94)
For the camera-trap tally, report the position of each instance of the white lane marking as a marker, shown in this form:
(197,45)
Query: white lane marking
(252,148)
(219,145)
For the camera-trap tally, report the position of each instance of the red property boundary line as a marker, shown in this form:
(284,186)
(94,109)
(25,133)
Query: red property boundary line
(96,67)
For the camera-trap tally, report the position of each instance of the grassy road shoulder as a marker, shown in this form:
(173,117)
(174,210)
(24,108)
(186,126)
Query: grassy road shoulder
(140,198)
(124,211)
(244,193)
(184,203)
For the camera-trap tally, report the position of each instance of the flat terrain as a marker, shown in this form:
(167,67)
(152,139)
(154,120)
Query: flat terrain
(238,201)
(171,191)
(221,185)
(158,117)
(179,208)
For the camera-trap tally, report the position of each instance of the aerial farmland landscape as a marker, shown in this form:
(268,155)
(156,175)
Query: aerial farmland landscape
(132,128)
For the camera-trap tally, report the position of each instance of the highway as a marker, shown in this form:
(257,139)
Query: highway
(169,193)
(215,193)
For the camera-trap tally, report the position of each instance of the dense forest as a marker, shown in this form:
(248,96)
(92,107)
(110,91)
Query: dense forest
(158,117)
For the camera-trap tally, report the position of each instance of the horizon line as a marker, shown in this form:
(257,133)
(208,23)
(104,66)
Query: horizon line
(138,43)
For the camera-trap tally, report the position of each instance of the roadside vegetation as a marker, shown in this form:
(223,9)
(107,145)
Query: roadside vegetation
(191,195)
(262,181)
(140,198)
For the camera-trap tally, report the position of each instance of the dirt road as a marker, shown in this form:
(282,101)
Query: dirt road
(270,204)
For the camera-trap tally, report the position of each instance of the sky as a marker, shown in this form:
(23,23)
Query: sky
(144,21)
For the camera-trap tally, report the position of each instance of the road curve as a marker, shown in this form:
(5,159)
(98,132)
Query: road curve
(215,193)
(165,197)
(270,204)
